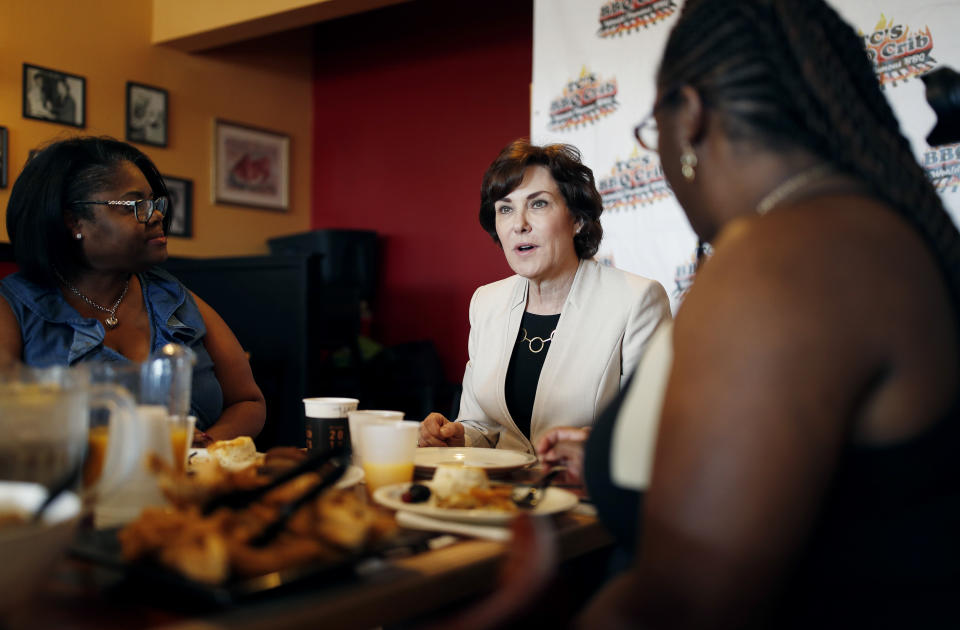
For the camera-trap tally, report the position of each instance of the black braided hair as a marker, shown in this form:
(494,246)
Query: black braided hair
(792,74)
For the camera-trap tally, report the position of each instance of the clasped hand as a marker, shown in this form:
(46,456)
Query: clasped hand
(436,430)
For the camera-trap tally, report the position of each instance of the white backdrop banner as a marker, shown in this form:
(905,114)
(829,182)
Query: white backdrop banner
(594,63)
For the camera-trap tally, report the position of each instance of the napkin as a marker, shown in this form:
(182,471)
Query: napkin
(430,524)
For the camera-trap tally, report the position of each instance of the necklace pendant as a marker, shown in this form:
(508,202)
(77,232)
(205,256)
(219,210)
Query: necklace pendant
(111,322)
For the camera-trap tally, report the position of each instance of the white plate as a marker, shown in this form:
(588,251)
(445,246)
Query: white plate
(555,500)
(351,477)
(493,460)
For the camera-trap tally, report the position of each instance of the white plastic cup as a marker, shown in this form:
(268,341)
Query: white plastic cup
(327,427)
(361,417)
(387,452)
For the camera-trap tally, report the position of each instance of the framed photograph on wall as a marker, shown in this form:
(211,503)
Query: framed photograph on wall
(4,159)
(180,192)
(251,167)
(54,96)
(146,114)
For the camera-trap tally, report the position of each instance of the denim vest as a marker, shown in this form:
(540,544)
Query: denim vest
(54,333)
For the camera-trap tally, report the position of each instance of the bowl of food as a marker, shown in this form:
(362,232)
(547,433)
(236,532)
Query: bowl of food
(29,549)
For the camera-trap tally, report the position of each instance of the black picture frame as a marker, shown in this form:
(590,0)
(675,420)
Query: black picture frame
(4,156)
(147,114)
(44,98)
(180,193)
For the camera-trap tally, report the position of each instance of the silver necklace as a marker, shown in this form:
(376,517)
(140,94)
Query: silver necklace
(110,322)
(543,342)
(790,186)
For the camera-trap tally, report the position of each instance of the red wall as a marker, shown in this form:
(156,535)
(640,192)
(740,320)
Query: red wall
(412,103)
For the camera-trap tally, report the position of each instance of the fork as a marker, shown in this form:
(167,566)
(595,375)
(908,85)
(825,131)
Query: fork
(529,496)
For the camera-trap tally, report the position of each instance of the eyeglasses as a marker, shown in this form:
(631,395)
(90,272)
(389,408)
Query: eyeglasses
(646,132)
(143,209)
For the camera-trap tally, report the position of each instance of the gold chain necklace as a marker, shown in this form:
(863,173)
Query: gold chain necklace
(111,321)
(790,186)
(543,342)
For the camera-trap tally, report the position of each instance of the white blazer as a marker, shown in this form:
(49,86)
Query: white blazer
(605,324)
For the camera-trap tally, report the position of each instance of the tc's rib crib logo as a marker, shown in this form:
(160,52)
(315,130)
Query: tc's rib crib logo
(583,101)
(942,165)
(622,16)
(897,53)
(637,181)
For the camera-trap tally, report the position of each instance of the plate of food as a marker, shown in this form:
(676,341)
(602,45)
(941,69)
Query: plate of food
(239,454)
(223,553)
(463,493)
(492,460)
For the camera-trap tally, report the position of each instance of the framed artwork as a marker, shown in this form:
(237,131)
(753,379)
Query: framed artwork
(251,167)
(3,157)
(180,192)
(54,96)
(146,114)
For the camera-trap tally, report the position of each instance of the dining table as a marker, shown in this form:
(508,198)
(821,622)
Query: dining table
(444,575)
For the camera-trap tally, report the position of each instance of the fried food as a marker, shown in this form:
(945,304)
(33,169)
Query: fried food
(215,548)
(235,454)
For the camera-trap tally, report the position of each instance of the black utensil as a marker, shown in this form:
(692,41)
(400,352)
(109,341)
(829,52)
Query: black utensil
(64,483)
(330,474)
(237,499)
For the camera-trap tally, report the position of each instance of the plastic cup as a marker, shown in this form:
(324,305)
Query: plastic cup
(327,428)
(387,452)
(361,417)
(181,437)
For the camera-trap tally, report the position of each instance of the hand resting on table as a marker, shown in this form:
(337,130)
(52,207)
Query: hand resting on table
(436,430)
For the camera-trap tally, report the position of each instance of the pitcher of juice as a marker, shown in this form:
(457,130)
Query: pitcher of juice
(45,420)
(160,387)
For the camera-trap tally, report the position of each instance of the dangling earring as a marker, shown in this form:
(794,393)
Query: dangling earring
(688,163)
(78,236)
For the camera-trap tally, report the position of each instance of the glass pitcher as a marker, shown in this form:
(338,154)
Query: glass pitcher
(45,422)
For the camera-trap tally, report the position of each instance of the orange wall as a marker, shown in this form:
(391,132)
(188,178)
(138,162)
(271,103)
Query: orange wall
(265,83)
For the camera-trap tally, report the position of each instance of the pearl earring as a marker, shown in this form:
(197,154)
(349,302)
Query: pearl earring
(688,163)
(78,236)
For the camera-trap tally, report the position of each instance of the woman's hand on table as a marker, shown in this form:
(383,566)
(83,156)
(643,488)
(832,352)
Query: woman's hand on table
(201,439)
(435,430)
(563,446)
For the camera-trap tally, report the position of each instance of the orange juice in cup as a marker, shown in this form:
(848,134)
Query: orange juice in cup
(387,453)
(379,475)
(181,436)
(97,440)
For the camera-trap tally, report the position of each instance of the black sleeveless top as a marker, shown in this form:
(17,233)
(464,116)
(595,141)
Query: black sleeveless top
(526,362)
(884,550)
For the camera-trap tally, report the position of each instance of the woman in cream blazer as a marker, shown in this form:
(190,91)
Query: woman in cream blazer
(553,344)
(605,324)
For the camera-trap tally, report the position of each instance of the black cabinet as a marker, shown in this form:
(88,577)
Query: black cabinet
(287,318)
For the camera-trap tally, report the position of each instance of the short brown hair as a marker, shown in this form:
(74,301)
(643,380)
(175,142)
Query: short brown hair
(574,179)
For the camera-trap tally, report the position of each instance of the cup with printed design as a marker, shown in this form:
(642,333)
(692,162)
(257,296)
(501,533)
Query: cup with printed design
(327,427)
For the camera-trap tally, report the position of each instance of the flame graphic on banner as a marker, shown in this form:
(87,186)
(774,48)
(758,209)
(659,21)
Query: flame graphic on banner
(623,16)
(942,165)
(583,101)
(897,53)
(637,181)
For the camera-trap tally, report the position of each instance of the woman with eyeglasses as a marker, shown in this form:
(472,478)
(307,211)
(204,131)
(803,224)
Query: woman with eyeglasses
(87,219)
(806,470)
